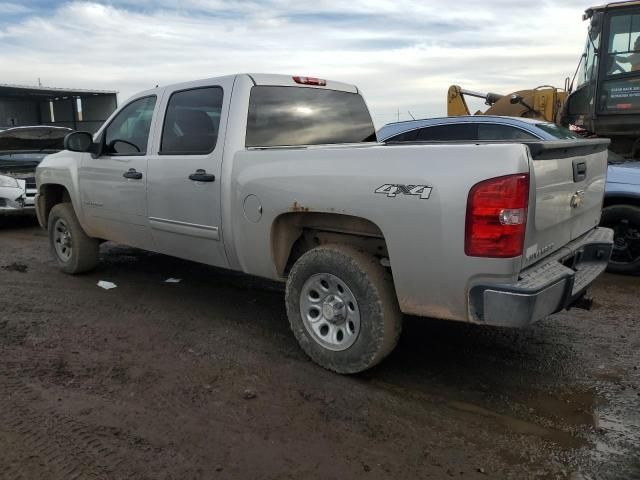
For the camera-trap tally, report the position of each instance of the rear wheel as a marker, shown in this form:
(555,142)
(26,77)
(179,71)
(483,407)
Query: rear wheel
(625,222)
(342,308)
(74,250)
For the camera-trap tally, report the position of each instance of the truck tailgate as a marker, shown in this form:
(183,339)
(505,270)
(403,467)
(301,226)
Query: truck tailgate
(568,180)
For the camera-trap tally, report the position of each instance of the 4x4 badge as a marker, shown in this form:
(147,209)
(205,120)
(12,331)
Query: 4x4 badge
(393,190)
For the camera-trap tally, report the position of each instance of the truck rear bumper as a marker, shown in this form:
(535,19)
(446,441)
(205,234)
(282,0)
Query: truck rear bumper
(547,287)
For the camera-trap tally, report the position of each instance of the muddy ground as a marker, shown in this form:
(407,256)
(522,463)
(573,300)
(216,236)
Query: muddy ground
(203,379)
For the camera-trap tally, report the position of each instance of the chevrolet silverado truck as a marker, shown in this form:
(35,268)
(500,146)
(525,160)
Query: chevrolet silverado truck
(282,177)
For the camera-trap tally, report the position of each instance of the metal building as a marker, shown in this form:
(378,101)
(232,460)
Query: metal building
(74,108)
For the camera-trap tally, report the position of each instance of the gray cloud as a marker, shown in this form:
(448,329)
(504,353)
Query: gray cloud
(403,54)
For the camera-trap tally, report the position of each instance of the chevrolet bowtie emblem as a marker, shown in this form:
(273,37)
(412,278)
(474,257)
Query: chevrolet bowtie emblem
(577,199)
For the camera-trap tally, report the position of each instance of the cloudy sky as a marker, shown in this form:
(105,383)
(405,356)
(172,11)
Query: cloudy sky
(402,54)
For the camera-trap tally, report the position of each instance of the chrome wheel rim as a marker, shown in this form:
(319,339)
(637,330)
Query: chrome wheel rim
(330,311)
(62,240)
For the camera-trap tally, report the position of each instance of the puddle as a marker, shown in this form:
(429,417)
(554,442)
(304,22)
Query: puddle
(522,427)
(572,409)
(613,375)
(619,425)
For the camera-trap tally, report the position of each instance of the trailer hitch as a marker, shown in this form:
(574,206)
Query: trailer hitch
(584,302)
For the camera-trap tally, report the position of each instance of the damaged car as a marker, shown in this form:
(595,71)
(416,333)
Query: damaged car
(21,150)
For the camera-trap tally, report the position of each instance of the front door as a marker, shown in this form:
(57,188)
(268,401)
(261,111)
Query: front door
(114,183)
(183,182)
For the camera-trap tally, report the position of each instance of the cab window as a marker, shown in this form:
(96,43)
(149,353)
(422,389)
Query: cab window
(620,92)
(191,122)
(589,63)
(293,116)
(128,133)
(624,44)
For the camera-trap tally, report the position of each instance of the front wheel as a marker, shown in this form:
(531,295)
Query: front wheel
(625,222)
(342,308)
(74,250)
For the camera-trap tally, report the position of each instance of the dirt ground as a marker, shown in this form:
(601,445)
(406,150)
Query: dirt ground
(203,379)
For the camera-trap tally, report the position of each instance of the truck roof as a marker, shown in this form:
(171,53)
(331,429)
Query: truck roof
(288,81)
(263,79)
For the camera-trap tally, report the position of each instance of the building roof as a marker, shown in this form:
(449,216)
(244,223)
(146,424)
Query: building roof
(9,90)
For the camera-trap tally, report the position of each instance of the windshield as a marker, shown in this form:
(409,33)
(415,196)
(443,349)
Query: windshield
(557,131)
(290,116)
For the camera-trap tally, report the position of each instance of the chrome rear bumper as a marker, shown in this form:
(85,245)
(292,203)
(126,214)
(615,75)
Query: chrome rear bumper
(554,283)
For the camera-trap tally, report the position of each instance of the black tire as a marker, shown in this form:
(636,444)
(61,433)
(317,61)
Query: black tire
(83,252)
(625,222)
(371,285)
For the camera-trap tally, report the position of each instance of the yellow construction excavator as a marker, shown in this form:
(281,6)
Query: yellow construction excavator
(602,99)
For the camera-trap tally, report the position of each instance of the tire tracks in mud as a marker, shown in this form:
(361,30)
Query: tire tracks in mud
(62,447)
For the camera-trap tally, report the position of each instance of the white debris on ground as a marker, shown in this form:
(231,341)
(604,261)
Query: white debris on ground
(106,285)
(173,280)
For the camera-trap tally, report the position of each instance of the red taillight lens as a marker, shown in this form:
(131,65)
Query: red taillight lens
(310,81)
(497,216)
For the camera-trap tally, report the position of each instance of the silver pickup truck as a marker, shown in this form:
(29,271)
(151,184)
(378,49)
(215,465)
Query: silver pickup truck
(282,177)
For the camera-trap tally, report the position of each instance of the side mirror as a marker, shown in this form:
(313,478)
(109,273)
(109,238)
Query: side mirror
(78,141)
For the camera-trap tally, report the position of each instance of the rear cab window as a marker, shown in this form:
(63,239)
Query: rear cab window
(295,116)
(192,121)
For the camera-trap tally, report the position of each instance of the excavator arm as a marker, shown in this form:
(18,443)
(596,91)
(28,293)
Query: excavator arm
(457,105)
(543,103)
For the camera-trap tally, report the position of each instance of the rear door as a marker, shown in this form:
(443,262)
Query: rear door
(569,180)
(183,183)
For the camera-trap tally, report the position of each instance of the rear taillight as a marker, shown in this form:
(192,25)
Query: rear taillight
(497,217)
(310,81)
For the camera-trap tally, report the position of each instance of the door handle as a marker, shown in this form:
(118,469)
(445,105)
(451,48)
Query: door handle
(202,176)
(579,170)
(131,173)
